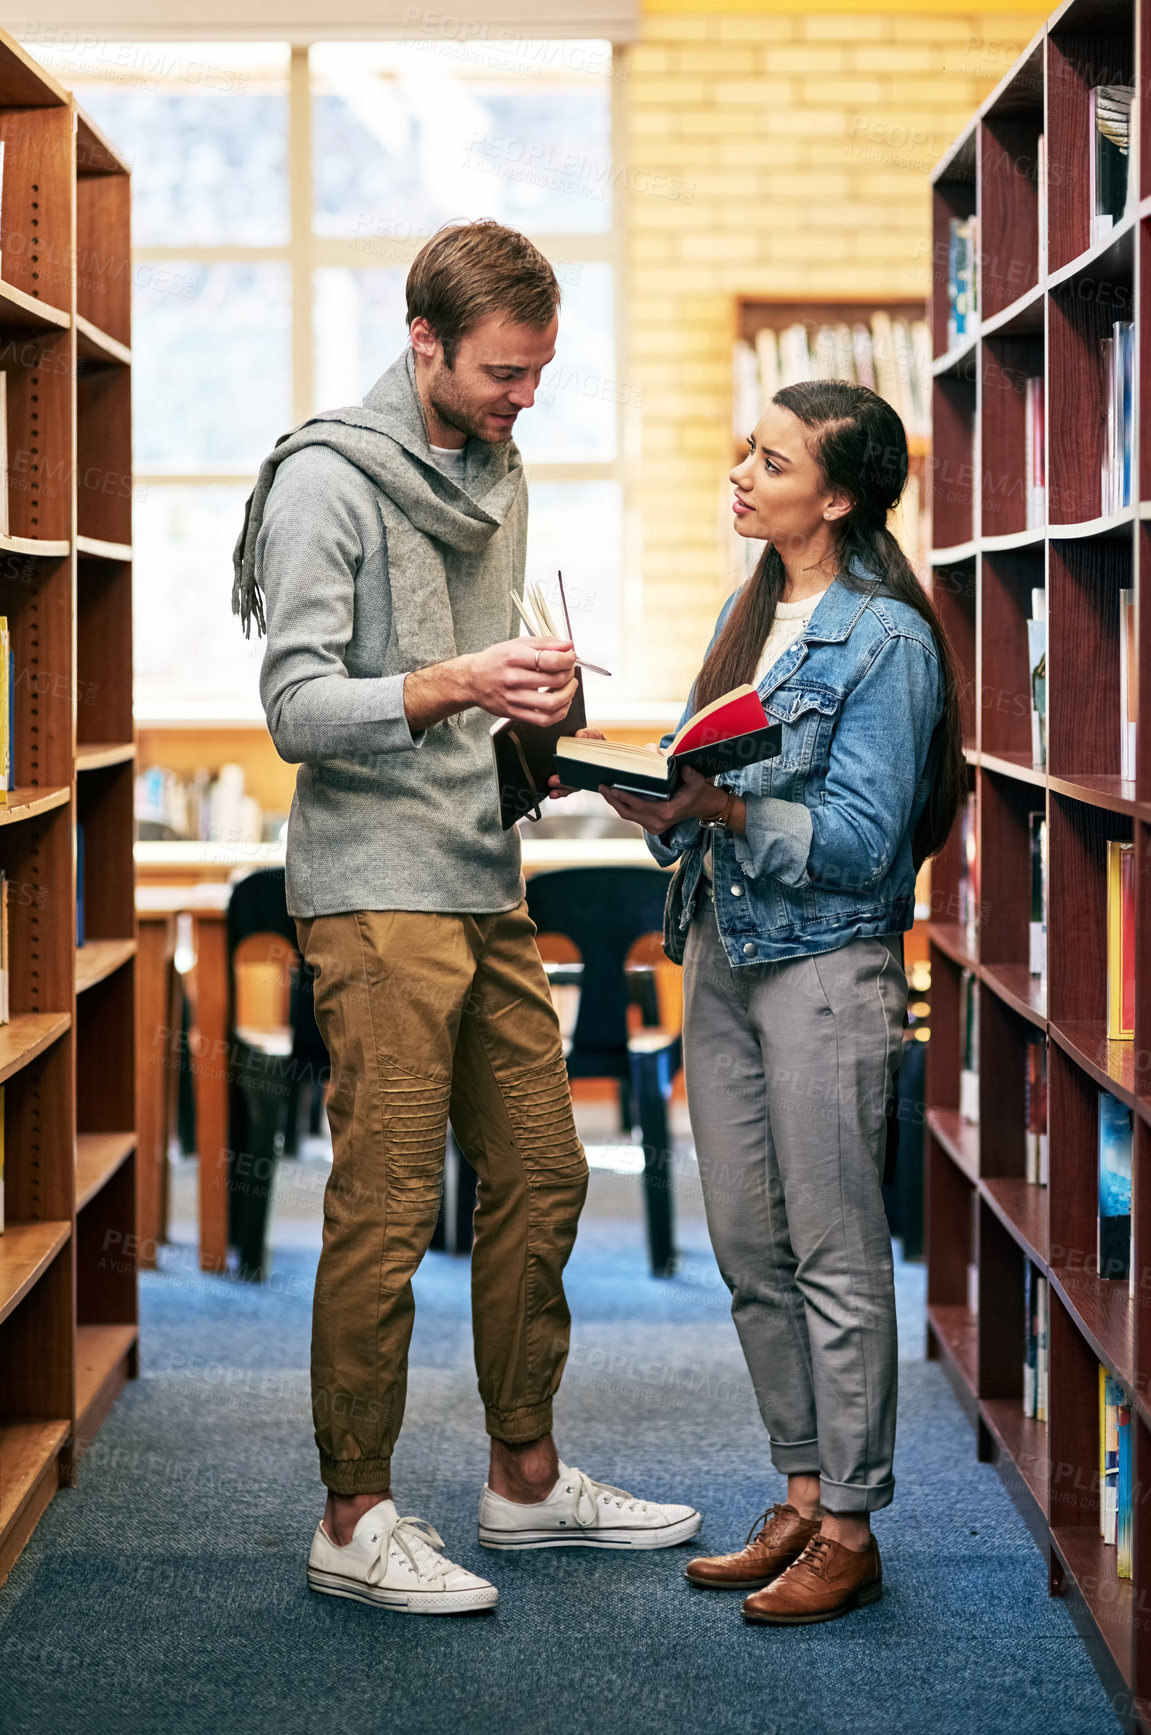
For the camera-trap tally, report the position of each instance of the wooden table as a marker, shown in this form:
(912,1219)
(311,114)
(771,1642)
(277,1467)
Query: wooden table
(193,878)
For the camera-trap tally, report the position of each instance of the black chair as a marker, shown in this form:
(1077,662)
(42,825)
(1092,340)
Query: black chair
(268,1070)
(603,912)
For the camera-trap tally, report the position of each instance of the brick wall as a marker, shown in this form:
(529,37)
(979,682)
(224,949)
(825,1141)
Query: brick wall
(783,155)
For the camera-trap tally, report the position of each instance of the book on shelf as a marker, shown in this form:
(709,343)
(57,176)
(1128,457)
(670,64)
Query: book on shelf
(1037,925)
(5,524)
(1036,1303)
(1,1159)
(969,1047)
(1041,179)
(1128,684)
(6,695)
(733,731)
(745,406)
(1043,1339)
(1110,1391)
(79,883)
(892,356)
(1119,424)
(973,1257)
(1113,1234)
(1120,941)
(1037,676)
(1109,124)
(968,890)
(1035,459)
(1125,1485)
(5,924)
(1035,1112)
(1030,1339)
(962,279)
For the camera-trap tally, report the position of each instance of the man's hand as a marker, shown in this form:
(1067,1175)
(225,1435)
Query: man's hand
(556,789)
(696,798)
(530,680)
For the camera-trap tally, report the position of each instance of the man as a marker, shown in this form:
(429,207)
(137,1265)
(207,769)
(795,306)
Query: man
(385,542)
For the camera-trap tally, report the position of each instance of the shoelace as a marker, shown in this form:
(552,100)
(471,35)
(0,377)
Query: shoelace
(416,1538)
(596,1492)
(760,1524)
(815,1555)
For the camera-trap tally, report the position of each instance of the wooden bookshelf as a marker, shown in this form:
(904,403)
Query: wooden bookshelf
(1047,297)
(67,1258)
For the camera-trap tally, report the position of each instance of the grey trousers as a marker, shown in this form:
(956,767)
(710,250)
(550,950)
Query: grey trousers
(788,1067)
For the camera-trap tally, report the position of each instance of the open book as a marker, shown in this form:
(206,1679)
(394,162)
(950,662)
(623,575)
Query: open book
(731,732)
(525,752)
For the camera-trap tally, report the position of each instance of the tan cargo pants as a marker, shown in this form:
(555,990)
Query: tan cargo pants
(425,1017)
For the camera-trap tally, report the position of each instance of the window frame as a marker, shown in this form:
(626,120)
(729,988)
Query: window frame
(305,253)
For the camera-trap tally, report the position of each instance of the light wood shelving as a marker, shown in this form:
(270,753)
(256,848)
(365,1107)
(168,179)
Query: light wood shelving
(1044,310)
(68,1311)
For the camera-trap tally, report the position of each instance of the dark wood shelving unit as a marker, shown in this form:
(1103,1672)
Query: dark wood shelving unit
(68,1313)
(1047,297)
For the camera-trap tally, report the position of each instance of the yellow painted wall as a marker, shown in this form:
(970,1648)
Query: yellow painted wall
(777,153)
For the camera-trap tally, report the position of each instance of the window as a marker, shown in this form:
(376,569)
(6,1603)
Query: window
(269,282)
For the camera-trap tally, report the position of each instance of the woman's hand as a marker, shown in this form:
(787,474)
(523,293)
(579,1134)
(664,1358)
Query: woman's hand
(696,798)
(556,789)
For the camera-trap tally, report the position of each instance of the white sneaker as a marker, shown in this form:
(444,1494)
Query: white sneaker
(392,1562)
(580,1513)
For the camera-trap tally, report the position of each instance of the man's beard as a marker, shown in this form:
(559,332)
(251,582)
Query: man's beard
(458,416)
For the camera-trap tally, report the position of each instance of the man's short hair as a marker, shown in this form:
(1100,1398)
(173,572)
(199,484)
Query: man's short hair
(468,271)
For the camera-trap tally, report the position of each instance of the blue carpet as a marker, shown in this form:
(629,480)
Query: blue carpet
(167,1593)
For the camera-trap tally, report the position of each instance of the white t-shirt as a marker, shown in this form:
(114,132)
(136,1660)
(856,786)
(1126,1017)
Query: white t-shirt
(790,620)
(451,460)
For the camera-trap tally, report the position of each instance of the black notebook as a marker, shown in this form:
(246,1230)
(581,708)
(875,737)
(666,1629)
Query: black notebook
(525,759)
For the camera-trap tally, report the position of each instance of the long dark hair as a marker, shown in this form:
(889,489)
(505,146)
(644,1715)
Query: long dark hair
(860,445)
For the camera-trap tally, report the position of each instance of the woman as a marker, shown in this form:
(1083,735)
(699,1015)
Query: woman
(796,880)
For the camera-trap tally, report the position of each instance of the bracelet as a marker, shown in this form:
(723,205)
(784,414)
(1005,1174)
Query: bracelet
(718,821)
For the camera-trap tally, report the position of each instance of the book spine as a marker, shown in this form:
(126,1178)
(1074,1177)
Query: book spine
(1113,1226)
(1109,1489)
(1030,1339)
(1042,1329)
(1124,1485)
(969,1059)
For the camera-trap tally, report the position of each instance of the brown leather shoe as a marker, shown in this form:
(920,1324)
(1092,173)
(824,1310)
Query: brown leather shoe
(825,1582)
(782,1539)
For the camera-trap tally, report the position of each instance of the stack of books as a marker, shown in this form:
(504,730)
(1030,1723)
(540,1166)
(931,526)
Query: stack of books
(891,356)
(213,808)
(962,280)
(1119,425)
(1036,1167)
(1109,107)
(1116,1480)
(1113,1229)
(1036,1317)
(1035,453)
(1037,676)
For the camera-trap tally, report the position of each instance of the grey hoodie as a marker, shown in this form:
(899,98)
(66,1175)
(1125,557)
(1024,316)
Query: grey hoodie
(372,563)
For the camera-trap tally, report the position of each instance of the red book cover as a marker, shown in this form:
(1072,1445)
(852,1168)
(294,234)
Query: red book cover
(738,713)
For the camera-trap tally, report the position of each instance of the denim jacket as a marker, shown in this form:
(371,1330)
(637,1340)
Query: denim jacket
(826,857)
